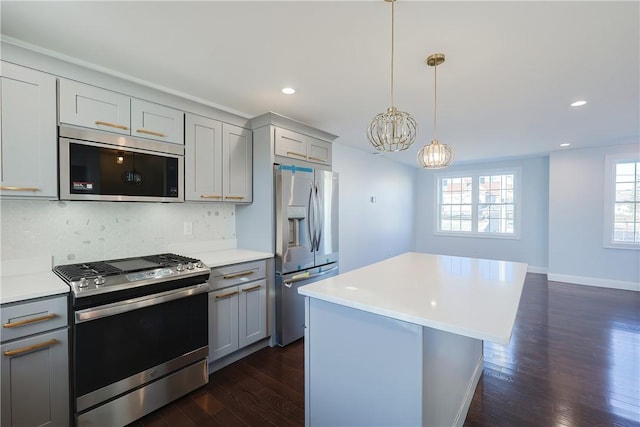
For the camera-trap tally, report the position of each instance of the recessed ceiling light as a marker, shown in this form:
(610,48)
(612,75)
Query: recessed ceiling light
(288,91)
(565,144)
(578,103)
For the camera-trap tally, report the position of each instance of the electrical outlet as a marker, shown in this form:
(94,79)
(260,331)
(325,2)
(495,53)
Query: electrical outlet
(188,228)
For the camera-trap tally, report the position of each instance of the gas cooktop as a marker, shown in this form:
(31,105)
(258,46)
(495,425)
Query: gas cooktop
(97,277)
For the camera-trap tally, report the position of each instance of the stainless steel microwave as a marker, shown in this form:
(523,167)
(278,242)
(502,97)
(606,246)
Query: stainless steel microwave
(96,165)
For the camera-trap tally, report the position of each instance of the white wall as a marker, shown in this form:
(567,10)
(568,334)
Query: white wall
(532,245)
(75,231)
(576,222)
(370,232)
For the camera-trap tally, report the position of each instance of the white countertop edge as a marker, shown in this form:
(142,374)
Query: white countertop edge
(498,339)
(230,256)
(29,286)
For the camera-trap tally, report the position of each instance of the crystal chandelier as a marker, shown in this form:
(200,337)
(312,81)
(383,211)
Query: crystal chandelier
(392,130)
(435,155)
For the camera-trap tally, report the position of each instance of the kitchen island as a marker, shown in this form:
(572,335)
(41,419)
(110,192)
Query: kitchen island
(399,342)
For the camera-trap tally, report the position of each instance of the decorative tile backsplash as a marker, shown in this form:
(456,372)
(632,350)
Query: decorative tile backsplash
(74,232)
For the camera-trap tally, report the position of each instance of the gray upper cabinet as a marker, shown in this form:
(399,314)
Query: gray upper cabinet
(28,142)
(237,155)
(218,161)
(92,107)
(301,147)
(149,120)
(203,159)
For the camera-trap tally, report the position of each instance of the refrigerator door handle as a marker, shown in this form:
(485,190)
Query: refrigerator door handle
(305,276)
(310,219)
(319,219)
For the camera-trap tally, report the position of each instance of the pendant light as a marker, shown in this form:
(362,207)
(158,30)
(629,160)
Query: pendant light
(392,130)
(435,155)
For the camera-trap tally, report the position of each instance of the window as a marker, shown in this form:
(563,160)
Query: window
(480,204)
(622,199)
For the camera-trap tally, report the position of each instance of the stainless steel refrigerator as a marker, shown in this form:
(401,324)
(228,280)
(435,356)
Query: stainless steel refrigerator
(306,240)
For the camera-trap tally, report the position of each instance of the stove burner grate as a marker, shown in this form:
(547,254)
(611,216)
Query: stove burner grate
(74,272)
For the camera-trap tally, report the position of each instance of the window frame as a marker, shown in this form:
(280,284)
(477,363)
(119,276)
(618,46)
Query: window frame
(611,160)
(475,191)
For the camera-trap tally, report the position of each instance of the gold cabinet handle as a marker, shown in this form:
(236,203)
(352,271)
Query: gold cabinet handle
(242,274)
(112,125)
(293,153)
(150,132)
(234,197)
(252,288)
(210,196)
(29,321)
(30,348)
(34,189)
(318,159)
(230,294)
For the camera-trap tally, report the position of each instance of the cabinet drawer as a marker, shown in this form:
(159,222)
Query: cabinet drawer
(230,275)
(154,121)
(32,317)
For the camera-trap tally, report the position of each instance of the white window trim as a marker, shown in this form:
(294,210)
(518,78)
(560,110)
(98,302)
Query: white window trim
(609,200)
(475,173)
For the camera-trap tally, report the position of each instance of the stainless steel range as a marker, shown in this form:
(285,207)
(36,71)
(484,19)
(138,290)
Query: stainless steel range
(139,335)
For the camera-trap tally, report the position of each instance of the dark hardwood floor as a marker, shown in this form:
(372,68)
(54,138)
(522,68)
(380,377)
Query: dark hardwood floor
(574,360)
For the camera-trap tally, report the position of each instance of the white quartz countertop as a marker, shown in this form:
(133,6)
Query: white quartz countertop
(477,298)
(229,256)
(29,278)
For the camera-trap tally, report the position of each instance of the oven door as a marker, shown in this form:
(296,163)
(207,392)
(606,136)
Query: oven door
(123,345)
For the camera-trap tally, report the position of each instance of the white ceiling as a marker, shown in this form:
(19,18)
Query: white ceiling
(512,68)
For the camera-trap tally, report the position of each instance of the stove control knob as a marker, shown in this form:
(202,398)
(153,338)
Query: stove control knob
(179,267)
(99,280)
(199,264)
(189,266)
(83,283)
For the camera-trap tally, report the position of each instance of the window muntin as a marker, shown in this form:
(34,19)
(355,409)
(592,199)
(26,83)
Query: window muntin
(482,203)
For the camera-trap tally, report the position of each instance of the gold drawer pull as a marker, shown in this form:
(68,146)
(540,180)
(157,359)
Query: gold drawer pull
(30,348)
(293,153)
(210,196)
(318,159)
(34,189)
(113,125)
(230,294)
(242,274)
(252,288)
(234,197)
(28,321)
(150,132)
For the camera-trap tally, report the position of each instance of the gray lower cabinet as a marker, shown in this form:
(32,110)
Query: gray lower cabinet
(237,307)
(35,364)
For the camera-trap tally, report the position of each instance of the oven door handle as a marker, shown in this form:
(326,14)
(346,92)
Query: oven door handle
(94,313)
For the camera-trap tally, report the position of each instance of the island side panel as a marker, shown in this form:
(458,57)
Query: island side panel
(452,367)
(362,369)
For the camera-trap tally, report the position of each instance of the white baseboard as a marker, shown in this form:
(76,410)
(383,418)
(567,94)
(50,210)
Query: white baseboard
(535,269)
(594,281)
